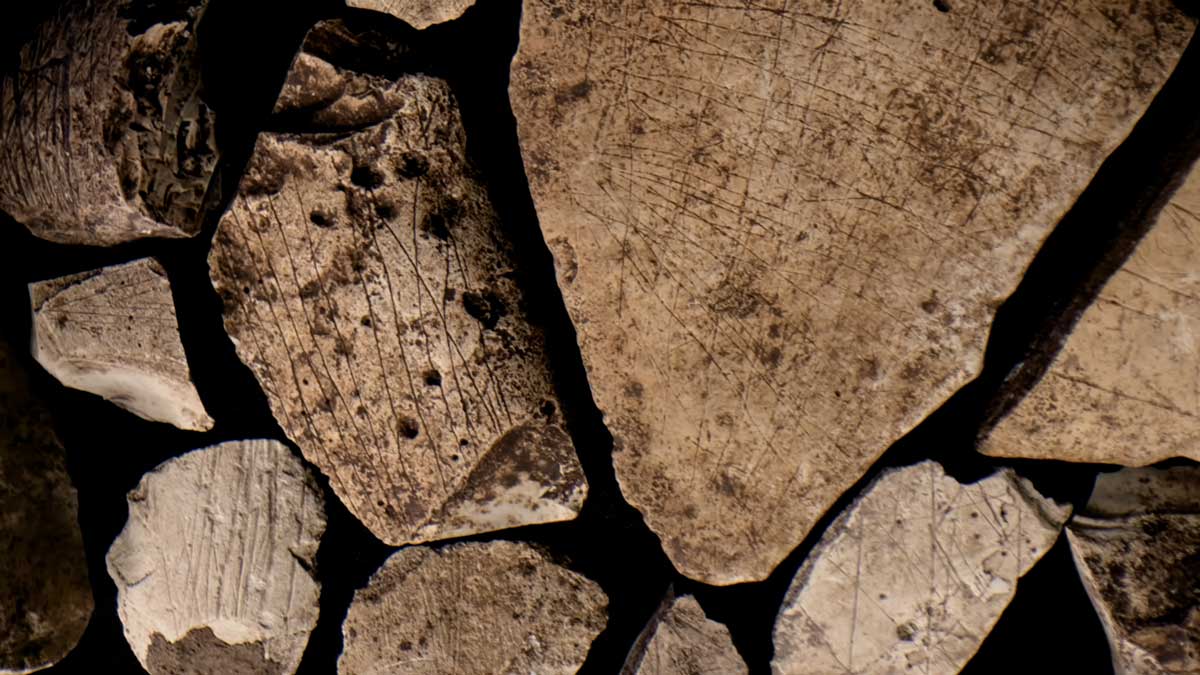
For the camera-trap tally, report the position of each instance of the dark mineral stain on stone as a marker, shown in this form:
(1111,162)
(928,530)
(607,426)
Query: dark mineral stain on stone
(200,652)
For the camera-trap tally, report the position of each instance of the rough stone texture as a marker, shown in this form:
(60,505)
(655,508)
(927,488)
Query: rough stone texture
(419,14)
(1137,546)
(214,566)
(103,136)
(913,576)
(472,609)
(681,640)
(369,286)
(112,332)
(782,229)
(45,598)
(1122,389)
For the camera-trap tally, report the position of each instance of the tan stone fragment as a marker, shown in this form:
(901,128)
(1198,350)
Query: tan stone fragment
(681,640)
(782,229)
(1137,547)
(103,136)
(214,566)
(112,332)
(912,577)
(419,14)
(1122,389)
(496,608)
(45,598)
(368,285)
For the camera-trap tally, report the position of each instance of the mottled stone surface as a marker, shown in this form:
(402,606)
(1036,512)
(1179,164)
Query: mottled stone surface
(45,598)
(782,229)
(1122,389)
(369,286)
(681,640)
(112,332)
(214,566)
(912,577)
(472,609)
(1137,546)
(419,14)
(103,136)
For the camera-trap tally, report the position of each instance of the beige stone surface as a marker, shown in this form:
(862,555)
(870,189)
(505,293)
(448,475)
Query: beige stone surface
(368,285)
(112,332)
(1122,390)
(45,597)
(782,229)
(496,608)
(215,565)
(681,640)
(1137,547)
(103,136)
(912,577)
(419,14)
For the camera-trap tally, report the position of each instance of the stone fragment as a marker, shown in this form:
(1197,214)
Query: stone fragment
(369,286)
(112,332)
(214,566)
(103,136)
(681,640)
(782,229)
(472,609)
(1122,390)
(912,577)
(1137,547)
(419,14)
(45,597)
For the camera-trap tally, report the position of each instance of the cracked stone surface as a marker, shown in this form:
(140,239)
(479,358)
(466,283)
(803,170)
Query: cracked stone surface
(45,597)
(368,286)
(103,136)
(1137,547)
(912,577)
(419,14)
(112,332)
(782,230)
(681,640)
(472,609)
(1122,390)
(214,566)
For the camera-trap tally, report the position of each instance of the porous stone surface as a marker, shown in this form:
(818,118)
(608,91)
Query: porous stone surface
(681,640)
(369,286)
(472,609)
(112,332)
(214,569)
(419,14)
(782,229)
(912,577)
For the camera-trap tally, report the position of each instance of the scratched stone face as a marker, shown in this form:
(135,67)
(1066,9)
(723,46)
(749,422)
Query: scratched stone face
(782,229)
(419,14)
(103,135)
(912,577)
(215,565)
(1137,547)
(369,286)
(472,609)
(1122,390)
(681,640)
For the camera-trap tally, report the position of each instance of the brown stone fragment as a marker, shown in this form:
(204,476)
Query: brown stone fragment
(681,640)
(419,14)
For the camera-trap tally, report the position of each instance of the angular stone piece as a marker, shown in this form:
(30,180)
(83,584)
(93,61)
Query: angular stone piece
(45,597)
(681,640)
(1122,389)
(368,285)
(103,136)
(1137,547)
(912,577)
(419,14)
(214,566)
(782,229)
(112,332)
(472,609)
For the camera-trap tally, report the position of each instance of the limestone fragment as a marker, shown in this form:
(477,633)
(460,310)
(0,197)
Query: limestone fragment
(45,597)
(472,609)
(1122,389)
(782,229)
(1137,546)
(112,332)
(215,565)
(369,286)
(103,136)
(419,14)
(912,577)
(681,640)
